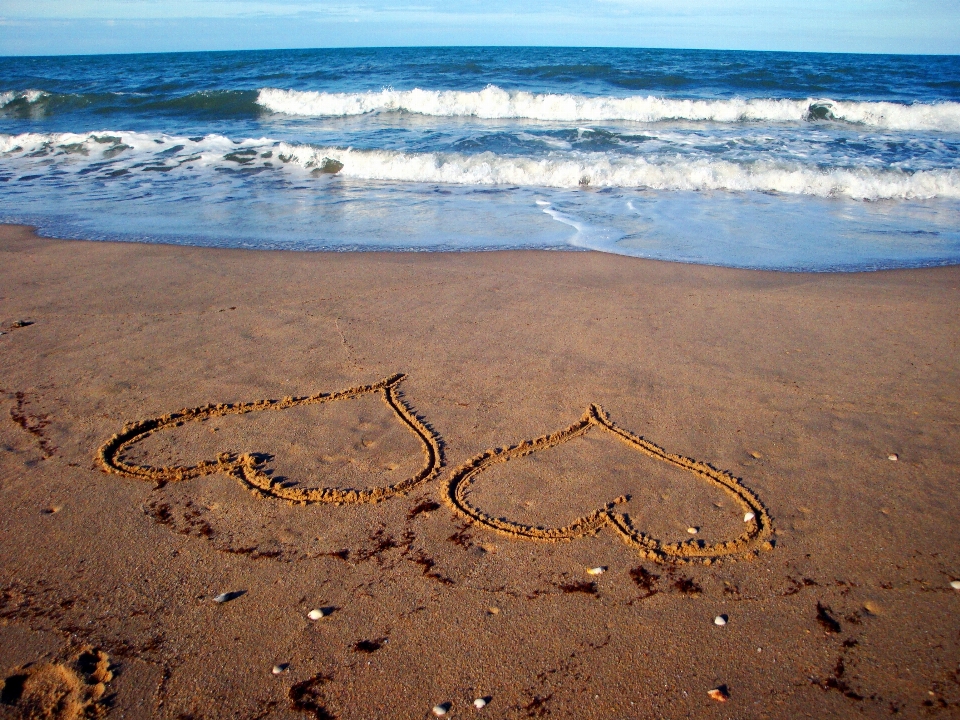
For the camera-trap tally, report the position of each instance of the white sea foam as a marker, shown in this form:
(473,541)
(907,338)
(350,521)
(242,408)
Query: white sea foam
(495,103)
(587,236)
(137,152)
(31,96)
(603,170)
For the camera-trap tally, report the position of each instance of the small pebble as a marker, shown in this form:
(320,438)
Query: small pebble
(316,614)
(480,703)
(755,455)
(493,610)
(441,710)
(748,517)
(719,694)
(955,584)
(893,456)
(720,620)
(693,530)
(280,669)
(596,571)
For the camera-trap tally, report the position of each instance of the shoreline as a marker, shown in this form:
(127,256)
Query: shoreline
(801,386)
(34,231)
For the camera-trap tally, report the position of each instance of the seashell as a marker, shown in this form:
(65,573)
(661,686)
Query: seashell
(719,694)
(955,584)
(493,610)
(280,669)
(317,614)
(755,455)
(893,456)
(596,571)
(480,703)
(228,596)
(748,517)
(441,709)
(720,620)
(693,530)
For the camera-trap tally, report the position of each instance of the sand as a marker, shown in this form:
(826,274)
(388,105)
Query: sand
(180,423)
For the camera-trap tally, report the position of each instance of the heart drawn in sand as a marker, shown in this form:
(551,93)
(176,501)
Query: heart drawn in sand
(247,468)
(755,538)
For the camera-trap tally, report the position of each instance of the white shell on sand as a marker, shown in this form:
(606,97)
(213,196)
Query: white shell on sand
(893,456)
(479,703)
(693,530)
(441,710)
(596,571)
(720,620)
(316,614)
(223,597)
(955,584)
(748,517)
(279,669)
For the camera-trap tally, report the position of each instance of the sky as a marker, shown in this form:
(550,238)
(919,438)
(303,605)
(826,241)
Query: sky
(63,27)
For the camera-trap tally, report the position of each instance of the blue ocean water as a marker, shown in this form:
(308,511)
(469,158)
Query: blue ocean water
(762,160)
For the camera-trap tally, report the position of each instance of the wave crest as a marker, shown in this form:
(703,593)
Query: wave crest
(109,152)
(23,96)
(496,103)
(600,170)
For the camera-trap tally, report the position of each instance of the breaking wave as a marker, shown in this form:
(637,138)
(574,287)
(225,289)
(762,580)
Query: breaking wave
(496,103)
(21,96)
(112,154)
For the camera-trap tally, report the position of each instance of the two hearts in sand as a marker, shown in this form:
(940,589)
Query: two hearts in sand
(248,469)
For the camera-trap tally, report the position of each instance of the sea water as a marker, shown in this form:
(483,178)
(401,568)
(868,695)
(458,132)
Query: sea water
(759,160)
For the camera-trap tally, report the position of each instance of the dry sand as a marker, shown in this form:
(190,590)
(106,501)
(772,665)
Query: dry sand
(837,594)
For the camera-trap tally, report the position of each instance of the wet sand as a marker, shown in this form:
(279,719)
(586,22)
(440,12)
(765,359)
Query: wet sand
(794,389)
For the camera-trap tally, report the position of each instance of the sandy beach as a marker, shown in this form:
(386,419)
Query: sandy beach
(825,406)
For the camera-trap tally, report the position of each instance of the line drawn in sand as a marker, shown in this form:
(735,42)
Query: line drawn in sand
(749,543)
(247,467)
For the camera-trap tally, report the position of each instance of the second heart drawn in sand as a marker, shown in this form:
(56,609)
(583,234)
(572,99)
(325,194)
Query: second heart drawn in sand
(248,467)
(756,536)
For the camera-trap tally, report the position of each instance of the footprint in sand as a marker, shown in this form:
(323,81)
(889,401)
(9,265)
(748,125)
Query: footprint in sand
(755,537)
(69,690)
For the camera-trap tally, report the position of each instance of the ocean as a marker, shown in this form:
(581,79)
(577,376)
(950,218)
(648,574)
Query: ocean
(786,161)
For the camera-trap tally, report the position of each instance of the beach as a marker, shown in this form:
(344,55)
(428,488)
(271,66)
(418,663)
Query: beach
(832,399)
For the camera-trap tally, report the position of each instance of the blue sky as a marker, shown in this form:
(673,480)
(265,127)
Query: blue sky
(45,27)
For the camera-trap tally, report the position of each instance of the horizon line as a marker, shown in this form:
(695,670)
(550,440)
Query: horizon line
(479,47)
